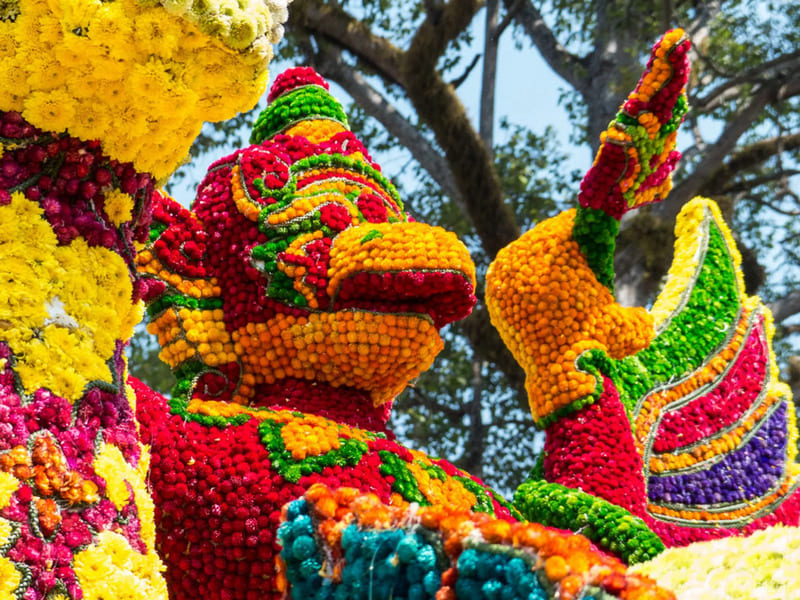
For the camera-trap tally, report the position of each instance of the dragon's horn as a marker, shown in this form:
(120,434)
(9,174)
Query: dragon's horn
(637,153)
(299,102)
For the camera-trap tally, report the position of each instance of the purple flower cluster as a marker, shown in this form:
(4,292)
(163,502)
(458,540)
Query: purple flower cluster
(747,473)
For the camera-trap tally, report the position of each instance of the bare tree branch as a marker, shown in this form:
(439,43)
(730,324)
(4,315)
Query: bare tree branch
(568,66)
(435,33)
(473,455)
(747,158)
(511,12)
(438,105)
(456,83)
(783,66)
(436,406)
(748,184)
(489,76)
(485,339)
(330,21)
(331,65)
(700,27)
(716,152)
(786,307)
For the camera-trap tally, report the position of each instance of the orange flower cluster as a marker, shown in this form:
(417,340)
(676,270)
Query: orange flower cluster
(660,70)
(386,248)
(549,308)
(47,466)
(147,263)
(316,130)
(439,491)
(347,348)
(570,562)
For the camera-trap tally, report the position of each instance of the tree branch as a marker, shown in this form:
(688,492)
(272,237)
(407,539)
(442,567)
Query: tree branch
(787,66)
(436,406)
(511,12)
(747,185)
(438,105)
(436,32)
(330,65)
(330,21)
(716,152)
(456,83)
(747,158)
(568,66)
(489,75)
(699,29)
(785,307)
(485,339)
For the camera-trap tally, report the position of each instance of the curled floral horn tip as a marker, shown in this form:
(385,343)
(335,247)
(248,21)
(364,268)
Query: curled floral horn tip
(637,152)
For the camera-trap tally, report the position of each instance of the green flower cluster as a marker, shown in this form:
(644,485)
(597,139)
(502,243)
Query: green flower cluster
(609,526)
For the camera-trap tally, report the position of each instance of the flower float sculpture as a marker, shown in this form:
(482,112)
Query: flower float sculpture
(669,424)
(294,301)
(98,101)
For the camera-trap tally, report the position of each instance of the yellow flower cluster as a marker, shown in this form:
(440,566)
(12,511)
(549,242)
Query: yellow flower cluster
(118,206)
(765,564)
(185,333)
(119,474)
(64,306)
(549,308)
(388,247)
(239,24)
(139,77)
(111,568)
(8,485)
(10,577)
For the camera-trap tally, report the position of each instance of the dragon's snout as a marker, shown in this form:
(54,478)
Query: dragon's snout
(402,268)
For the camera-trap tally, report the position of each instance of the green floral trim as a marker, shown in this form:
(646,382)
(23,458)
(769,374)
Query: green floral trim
(188,374)
(596,234)
(609,526)
(404,482)
(349,453)
(695,332)
(156,229)
(182,301)
(306,103)
(483,501)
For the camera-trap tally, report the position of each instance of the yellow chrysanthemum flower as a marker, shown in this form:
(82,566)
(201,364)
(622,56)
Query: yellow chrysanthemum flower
(76,297)
(8,485)
(111,568)
(55,53)
(53,111)
(119,207)
(9,579)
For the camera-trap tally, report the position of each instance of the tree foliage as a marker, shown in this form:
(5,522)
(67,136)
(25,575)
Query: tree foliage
(403,63)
